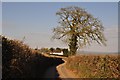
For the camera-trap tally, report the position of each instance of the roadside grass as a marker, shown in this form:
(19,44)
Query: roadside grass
(95,66)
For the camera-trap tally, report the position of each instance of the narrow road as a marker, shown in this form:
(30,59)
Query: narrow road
(65,73)
(51,73)
(60,71)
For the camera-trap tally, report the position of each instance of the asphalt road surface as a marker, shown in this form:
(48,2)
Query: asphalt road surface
(51,73)
(60,71)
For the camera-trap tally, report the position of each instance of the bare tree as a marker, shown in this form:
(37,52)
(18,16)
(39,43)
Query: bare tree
(78,28)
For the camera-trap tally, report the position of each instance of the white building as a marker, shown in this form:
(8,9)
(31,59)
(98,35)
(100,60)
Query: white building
(57,53)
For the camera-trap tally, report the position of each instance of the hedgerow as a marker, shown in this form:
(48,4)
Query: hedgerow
(95,66)
(21,61)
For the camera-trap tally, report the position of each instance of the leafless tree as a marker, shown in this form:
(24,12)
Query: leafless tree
(78,28)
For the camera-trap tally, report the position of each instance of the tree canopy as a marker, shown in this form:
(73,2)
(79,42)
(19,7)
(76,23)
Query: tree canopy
(78,28)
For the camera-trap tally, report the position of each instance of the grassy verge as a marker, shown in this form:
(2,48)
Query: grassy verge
(95,66)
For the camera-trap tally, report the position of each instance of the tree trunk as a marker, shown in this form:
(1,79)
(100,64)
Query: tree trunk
(73,45)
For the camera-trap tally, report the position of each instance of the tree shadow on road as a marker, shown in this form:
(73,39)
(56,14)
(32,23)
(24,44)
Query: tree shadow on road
(52,72)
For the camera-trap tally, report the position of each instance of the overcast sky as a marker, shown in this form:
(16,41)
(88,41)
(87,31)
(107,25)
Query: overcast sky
(36,20)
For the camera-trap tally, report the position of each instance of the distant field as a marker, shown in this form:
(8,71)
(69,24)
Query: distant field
(95,65)
(100,54)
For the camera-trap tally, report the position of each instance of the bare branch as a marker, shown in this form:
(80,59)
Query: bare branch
(78,22)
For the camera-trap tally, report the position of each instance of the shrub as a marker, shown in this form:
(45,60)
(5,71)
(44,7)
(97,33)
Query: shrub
(95,66)
(20,61)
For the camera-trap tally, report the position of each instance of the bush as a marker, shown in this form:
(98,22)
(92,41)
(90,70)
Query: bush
(95,66)
(20,61)
(66,52)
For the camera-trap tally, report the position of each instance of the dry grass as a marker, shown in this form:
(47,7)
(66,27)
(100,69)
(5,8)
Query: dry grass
(95,66)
